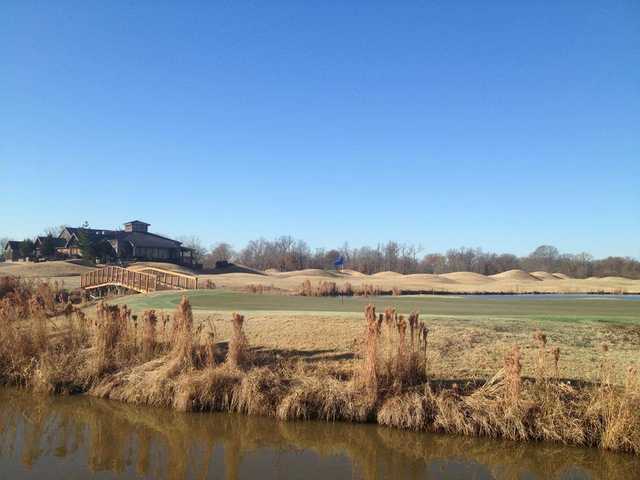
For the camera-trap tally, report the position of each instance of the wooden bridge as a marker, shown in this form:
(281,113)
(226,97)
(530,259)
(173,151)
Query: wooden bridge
(144,281)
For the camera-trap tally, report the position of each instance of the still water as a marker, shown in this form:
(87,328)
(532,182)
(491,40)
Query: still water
(77,437)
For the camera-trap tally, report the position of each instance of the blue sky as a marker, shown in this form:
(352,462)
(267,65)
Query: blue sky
(501,125)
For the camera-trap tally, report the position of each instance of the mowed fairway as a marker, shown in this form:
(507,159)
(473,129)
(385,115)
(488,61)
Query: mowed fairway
(570,308)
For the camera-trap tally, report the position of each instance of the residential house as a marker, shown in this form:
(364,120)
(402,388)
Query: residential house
(40,243)
(12,251)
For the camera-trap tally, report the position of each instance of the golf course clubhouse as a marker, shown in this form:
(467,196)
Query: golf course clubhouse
(135,242)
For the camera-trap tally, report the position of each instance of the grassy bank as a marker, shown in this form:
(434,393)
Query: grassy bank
(173,361)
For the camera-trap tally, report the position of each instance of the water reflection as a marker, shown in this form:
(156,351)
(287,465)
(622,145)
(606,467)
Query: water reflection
(53,437)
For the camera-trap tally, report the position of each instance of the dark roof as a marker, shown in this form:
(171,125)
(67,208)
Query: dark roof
(138,239)
(57,241)
(14,244)
(138,221)
(93,233)
(146,239)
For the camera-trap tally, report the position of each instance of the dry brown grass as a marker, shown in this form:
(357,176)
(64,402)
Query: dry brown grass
(149,334)
(325,288)
(238,354)
(187,369)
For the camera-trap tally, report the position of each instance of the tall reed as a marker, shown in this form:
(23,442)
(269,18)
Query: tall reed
(237,355)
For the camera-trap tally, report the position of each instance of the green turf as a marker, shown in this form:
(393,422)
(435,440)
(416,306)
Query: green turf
(542,309)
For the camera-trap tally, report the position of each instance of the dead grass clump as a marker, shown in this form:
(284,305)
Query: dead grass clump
(58,371)
(541,339)
(214,389)
(322,289)
(237,356)
(210,348)
(369,368)
(181,354)
(8,284)
(406,411)
(149,334)
(513,370)
(110,339)
(367,290)
(255,288)
(405,359)
(324,398)
(556,359)
(306,289)
(260,392)
(16,299)
(613,411)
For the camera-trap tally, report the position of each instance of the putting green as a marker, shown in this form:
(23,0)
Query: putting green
(557,308)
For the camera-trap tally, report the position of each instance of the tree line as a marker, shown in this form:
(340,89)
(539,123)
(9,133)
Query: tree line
(286,254)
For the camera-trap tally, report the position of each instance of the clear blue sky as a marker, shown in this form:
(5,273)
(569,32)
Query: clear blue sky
(501,125)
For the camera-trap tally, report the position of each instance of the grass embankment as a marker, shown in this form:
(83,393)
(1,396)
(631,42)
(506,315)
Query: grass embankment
(173,362)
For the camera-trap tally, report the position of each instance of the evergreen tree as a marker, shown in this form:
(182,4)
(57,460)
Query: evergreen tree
(26,248)
(87,247)
(48,246)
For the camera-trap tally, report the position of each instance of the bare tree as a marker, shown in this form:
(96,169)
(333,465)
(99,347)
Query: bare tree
(221,251)
(194,243)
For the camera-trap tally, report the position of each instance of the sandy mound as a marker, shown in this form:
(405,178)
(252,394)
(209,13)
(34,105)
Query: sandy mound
(518,275)
(615,279)
(352,273)
(466,277)
(231,268)
(428,277)
(543,276)
(562,276)
(309,272)
(387,274)
(43,269)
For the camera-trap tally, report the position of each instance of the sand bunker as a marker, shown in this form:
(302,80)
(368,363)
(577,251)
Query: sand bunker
(562,276)
(519,275)
(544,276)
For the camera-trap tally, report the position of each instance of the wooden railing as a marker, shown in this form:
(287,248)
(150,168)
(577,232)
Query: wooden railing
(118,276)
(171,279)
(144,281)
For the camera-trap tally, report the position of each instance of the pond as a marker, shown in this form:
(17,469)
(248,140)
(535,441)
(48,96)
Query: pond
(43,437)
